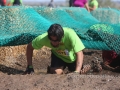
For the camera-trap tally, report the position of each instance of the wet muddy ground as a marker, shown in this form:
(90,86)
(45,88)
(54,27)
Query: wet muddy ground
(13,64)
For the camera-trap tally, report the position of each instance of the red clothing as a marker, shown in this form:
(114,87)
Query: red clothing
(2,2)
(109,55)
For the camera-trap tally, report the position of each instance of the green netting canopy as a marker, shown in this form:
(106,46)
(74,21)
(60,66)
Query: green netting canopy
(98,30)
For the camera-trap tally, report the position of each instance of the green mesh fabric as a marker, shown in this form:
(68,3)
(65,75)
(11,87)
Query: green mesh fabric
(98,30)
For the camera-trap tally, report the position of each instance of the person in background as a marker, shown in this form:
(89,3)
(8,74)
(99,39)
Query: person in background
(111,60)
(51,4)
(81,3)
(66,48)
(71,3)
(93,5)
(2,2)
(15,3)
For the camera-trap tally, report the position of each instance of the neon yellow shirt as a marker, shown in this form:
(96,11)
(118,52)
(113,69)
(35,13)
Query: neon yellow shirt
(93,3)
(69,45)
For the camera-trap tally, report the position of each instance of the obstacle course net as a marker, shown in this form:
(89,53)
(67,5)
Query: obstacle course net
(99,29)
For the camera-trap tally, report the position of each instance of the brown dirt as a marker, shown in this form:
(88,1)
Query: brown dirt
(13,64)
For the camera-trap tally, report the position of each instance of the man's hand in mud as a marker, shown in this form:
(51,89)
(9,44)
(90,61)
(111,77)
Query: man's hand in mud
(29,70)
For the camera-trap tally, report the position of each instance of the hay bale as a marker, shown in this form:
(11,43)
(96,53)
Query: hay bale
(14,54)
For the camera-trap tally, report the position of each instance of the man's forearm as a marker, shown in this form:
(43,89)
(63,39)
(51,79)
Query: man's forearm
(78,66)
(29,54)
(79,61)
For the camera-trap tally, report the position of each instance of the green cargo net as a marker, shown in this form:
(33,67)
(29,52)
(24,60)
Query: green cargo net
(98,30)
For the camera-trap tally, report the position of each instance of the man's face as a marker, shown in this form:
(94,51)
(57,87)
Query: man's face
(54,41)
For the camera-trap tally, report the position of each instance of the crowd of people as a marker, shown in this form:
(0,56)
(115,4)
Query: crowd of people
(10,2)
(90,6)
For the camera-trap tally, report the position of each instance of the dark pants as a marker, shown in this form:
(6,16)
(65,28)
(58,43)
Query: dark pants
(57,63)
(71,3)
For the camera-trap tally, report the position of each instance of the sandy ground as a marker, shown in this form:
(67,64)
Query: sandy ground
(13,64)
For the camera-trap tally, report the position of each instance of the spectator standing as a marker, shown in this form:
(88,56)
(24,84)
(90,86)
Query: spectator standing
(15,3)
(82,4)
(93,4)
(2,2)
(71,3)
(51,4)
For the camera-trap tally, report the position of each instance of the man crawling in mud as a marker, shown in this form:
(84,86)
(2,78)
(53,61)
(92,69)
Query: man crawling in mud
(66,48)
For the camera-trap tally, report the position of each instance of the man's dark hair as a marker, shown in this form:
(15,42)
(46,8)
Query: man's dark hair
(55,30)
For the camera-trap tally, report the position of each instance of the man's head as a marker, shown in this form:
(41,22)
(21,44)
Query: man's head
(55,34)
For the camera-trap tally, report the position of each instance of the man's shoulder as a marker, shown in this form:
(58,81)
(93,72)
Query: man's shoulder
(67,29)
(42,35)
(95,1)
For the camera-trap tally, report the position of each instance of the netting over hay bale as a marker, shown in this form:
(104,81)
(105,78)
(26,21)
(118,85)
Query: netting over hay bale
(20,25)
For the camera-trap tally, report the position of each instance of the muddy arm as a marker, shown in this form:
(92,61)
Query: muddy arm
(29,53)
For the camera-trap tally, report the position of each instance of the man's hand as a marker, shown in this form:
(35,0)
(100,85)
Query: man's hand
(76,72)
(86,68)
(29,70)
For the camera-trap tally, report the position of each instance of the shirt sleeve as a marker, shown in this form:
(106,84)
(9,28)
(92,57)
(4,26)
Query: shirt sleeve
(40,41)
(76,41)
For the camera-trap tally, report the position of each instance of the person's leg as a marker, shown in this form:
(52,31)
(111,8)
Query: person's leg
(71,66)
(57,65)
(71,3)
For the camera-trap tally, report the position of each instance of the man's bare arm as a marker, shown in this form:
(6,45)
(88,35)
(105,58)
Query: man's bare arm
(79,61)
(29,53)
